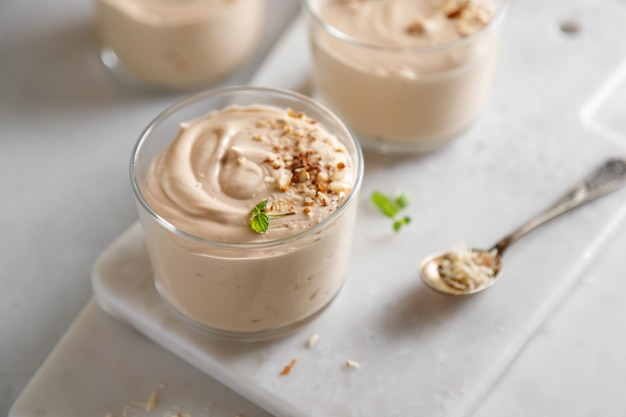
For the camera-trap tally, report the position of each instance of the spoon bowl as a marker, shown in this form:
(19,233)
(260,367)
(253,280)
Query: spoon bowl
(431,272)
(608,177)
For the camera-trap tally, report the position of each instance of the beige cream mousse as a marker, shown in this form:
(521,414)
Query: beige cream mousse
(406,75)
(215,269)
(180,44)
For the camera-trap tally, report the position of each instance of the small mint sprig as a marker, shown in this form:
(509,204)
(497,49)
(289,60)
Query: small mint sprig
(391,207)
(260,219)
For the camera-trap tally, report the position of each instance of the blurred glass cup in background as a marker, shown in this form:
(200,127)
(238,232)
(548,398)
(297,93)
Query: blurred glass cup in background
(398,97)
(178,45)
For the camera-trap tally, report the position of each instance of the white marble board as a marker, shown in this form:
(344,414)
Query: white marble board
(421,353)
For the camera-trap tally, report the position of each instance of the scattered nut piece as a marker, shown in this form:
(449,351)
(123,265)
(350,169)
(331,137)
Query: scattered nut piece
(353,364)
(312,341)
(152,401)
(287,368)
(570,26)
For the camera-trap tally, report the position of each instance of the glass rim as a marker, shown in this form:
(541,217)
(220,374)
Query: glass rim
(339,34)
(225,91)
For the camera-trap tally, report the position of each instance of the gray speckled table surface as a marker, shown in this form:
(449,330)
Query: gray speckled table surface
(555,113)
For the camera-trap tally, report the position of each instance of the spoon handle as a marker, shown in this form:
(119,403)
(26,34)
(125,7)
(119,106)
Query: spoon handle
(608,177)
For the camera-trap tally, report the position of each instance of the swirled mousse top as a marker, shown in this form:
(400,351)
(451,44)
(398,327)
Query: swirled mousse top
(221,165)
(406,23)
(171,11)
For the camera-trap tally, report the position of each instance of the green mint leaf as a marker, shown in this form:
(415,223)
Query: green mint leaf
(390,207)
(273,215)
(385,204)
(260,220)
(259,207)
(397,225)
(402,200)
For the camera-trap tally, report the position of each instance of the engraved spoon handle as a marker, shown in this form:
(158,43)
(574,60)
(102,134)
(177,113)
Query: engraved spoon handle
(608,177)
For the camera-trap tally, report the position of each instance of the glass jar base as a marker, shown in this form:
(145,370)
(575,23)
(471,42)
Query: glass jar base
(417,147)
(401,148)
(253,336)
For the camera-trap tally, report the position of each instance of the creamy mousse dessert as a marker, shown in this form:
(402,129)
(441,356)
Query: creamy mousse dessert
(179,44)
(406,75)
(202,197)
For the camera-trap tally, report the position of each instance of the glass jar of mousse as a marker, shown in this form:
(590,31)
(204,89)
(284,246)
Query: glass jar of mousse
(213,164)
(406,75)
(177,45)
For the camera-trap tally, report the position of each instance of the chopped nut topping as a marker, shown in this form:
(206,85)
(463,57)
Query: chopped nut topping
(469,16)
(453,8)
(337,187)
(291,113)
(417,27)
(299,168)
(466,270)
(303,175)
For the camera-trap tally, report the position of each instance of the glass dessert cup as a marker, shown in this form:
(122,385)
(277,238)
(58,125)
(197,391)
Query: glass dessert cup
(246,291)
(177,46)
(399,99)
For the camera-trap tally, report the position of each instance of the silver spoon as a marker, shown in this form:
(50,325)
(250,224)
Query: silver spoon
(608,177)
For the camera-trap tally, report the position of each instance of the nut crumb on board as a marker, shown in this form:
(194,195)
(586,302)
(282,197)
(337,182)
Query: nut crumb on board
(287,368)
(136,408)
(312,340)
(152,401)
(353,364)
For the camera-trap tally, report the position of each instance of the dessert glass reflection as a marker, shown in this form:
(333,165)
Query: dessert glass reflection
(178,45)
(213,164)
(406,75)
